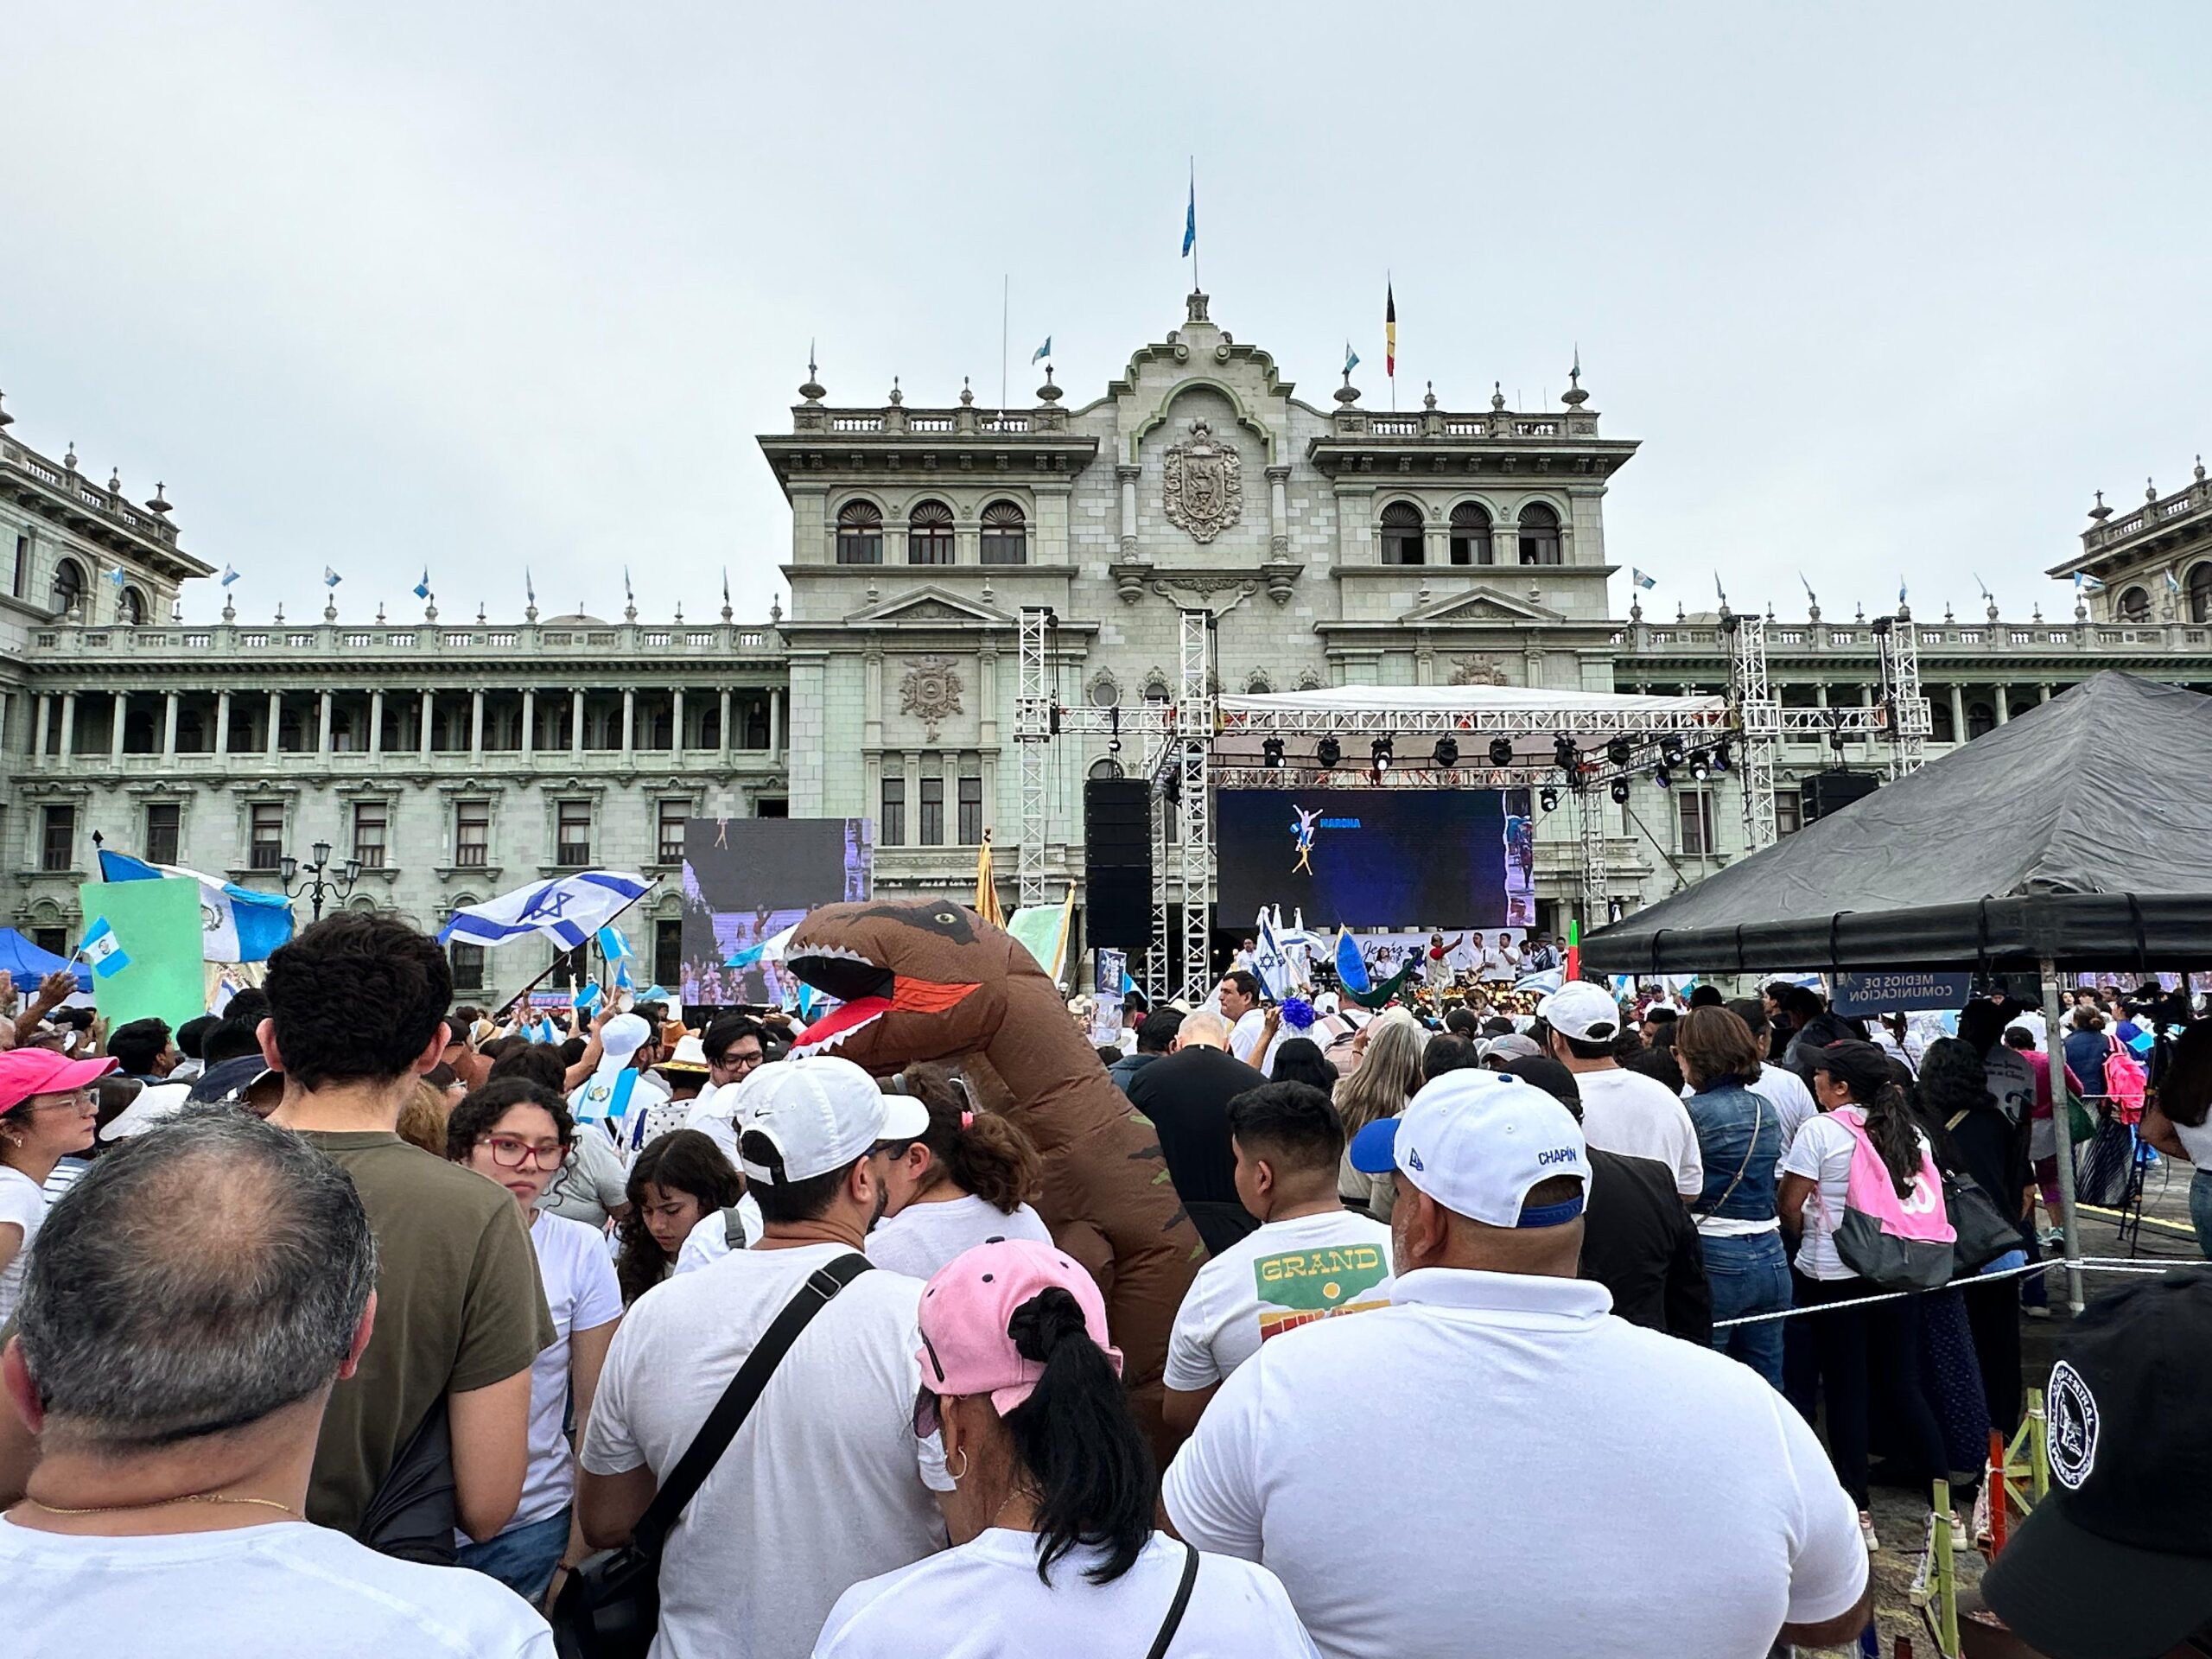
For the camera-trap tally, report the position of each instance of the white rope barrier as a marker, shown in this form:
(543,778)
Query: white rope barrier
(2088,1264)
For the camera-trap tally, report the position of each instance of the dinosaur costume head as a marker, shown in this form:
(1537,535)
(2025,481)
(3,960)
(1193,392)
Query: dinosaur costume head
(933,980)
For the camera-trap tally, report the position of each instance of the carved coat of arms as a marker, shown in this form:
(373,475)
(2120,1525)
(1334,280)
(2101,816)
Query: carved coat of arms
(929,691)
(1476,670)
(1205,485)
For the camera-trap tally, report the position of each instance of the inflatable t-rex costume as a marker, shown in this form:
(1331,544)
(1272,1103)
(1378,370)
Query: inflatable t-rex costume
(934,981)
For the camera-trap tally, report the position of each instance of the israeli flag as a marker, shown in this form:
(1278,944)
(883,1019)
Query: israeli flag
(569,909)
(1351,967)
(1269,960)
(422,588)
(103,949)
(238,924)
(1641,581)
(229,574)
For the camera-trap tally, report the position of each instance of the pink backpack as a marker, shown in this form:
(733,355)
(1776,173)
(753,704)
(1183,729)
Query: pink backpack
(2125,1082)
(1898,1244)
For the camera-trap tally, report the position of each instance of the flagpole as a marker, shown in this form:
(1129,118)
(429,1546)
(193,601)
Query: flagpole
(1197,287)
(516,1000)
(1005,297)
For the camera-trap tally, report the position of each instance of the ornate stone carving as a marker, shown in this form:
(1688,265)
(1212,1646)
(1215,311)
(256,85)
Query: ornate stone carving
(1204,489)
(1478,670)
(930,691)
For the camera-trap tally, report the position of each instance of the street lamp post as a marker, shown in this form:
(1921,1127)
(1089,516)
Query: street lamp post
(314,887)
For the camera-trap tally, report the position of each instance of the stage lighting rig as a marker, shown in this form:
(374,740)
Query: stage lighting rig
(1619,791)
(1663,776)
(1271,753)
(1327,753)
(1548,797)
(1671,750)
(1501,751)
(1620,751)
(1447,751)
(1722,760)
(1564,755)
(1381,750)
(1701,765)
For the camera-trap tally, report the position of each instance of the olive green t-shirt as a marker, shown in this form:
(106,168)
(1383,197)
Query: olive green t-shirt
(458,1307)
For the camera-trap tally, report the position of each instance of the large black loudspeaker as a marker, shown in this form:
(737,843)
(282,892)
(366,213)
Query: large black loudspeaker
(1117,862)
(1831,791)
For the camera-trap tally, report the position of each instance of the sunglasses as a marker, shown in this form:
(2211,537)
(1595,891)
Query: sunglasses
(928,1420)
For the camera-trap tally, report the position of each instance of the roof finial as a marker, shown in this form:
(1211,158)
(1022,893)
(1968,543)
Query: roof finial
(6,419)
(897,395)
(2100,513)
(1497,394)
(1429,402)
(812,389)
(1574,396)
(2149,491)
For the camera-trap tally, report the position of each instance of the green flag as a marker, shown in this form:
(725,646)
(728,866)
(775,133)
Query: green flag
(159,926)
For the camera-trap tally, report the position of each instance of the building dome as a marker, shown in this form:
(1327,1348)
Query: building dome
(577,619)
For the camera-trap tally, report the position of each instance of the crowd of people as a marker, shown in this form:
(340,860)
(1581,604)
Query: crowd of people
(352,1321)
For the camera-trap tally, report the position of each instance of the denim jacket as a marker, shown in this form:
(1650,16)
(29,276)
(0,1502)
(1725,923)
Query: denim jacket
(1725,1118)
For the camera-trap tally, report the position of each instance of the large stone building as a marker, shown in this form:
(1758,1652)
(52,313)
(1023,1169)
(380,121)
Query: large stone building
(1336,545)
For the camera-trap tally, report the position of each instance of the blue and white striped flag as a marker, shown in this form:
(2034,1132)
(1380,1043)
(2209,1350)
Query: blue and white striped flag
(1042,351)
(1641,580)
(569,909)
(588,998)
(229,574)
(422,588)
(622,982)
(238,924)
(103,949)
(330,577)
(2086,583)
(1269,960)
(611,945)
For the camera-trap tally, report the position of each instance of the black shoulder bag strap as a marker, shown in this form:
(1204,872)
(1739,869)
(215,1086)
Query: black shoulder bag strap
(1176,1609)
(736,1404)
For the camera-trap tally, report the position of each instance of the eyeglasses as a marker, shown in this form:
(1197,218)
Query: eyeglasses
(732,1062)
(510,1154)
(68,1100)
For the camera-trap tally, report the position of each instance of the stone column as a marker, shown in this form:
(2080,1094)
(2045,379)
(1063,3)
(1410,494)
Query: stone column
(1129,476)
(322,723)
(122,707)
(2042,693)
(1278,519)
(529,721)
(576,725)
(872,699)
(222,723)
(276,722)
(69,724)
(168,725)
(376,720)
(1958,713)
(476,724)
(676,728)
(2002,696)
(723,731)
(629,722)
(39,702)
(775,721)
(429,719)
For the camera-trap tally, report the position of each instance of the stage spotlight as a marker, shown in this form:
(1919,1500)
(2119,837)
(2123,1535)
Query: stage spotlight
(1620,751)
(1327,753)
(1380,748)
(1548,797)
(1171,789)
(1619,791)
(1670,751)
(1564,755)
(1701,765)
(1663,777)
(1721,759)
(1501,751)
(1447,751)
(1271,753)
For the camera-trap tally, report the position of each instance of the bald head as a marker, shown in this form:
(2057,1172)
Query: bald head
(140,1330)
(1204,1029)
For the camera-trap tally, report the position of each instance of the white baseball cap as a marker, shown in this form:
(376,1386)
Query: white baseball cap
(821,1113)
(1583,1012)
(1477,1141)
(147,1108)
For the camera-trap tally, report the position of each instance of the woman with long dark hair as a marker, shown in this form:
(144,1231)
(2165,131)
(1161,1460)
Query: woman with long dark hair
(1739,1142)
(1864,1350)
(968,1180)
(1052,1509)
(2174,1121)
(1300,1059)
(678,1180)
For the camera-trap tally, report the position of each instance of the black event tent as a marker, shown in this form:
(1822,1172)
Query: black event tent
(2079,833)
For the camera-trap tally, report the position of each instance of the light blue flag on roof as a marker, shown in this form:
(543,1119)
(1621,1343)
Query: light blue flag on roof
(1351,967)
(422,588)
(116,576)
(103,949)
(2084,583)
(1641,580)
(1190,219)
(330,577)
(568,910)
(1351,358)
(238,924)
(229,574)
(2173,581)
(1042,351)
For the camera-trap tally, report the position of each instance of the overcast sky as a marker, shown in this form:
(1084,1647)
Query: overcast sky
(1883,290)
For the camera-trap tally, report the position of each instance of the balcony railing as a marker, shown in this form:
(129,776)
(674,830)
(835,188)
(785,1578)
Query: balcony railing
(685,641)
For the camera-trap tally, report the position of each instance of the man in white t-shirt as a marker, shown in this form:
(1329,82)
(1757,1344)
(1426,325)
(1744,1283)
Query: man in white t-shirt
(1623,1111)
(1311,1258)
(1500,1402)
(1782,1089)
(176,1378)
(823,1485)
(614,1100)
(1239,997)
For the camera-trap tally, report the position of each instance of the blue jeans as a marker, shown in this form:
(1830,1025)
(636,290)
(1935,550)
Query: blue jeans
(1749,1274)
(522,1558)
(2200,1209)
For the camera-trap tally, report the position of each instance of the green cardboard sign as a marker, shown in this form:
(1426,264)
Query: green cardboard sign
(158,925)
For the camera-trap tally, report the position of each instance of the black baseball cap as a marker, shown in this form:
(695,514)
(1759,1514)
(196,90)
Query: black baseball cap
(2116,1561)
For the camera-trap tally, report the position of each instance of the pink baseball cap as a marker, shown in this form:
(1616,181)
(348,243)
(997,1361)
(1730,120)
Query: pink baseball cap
(28,1071)
(966,1309)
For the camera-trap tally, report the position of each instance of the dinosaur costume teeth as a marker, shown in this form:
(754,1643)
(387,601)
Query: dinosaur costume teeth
(932,980)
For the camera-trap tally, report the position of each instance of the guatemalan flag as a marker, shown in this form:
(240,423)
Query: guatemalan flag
(238,924)
(569,909)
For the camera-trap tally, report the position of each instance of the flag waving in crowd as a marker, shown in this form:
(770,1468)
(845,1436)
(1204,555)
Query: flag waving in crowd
(569,909)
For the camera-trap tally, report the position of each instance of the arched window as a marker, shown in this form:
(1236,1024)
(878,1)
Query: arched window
(1401,543)
(1538,534)
(1470,534)
(2200,594)
(929,534)
(1155,690)
(1006,534)
(68,585)
(1938,720)
(2135,605)
(860,533)
(1981,719)
(130,608)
